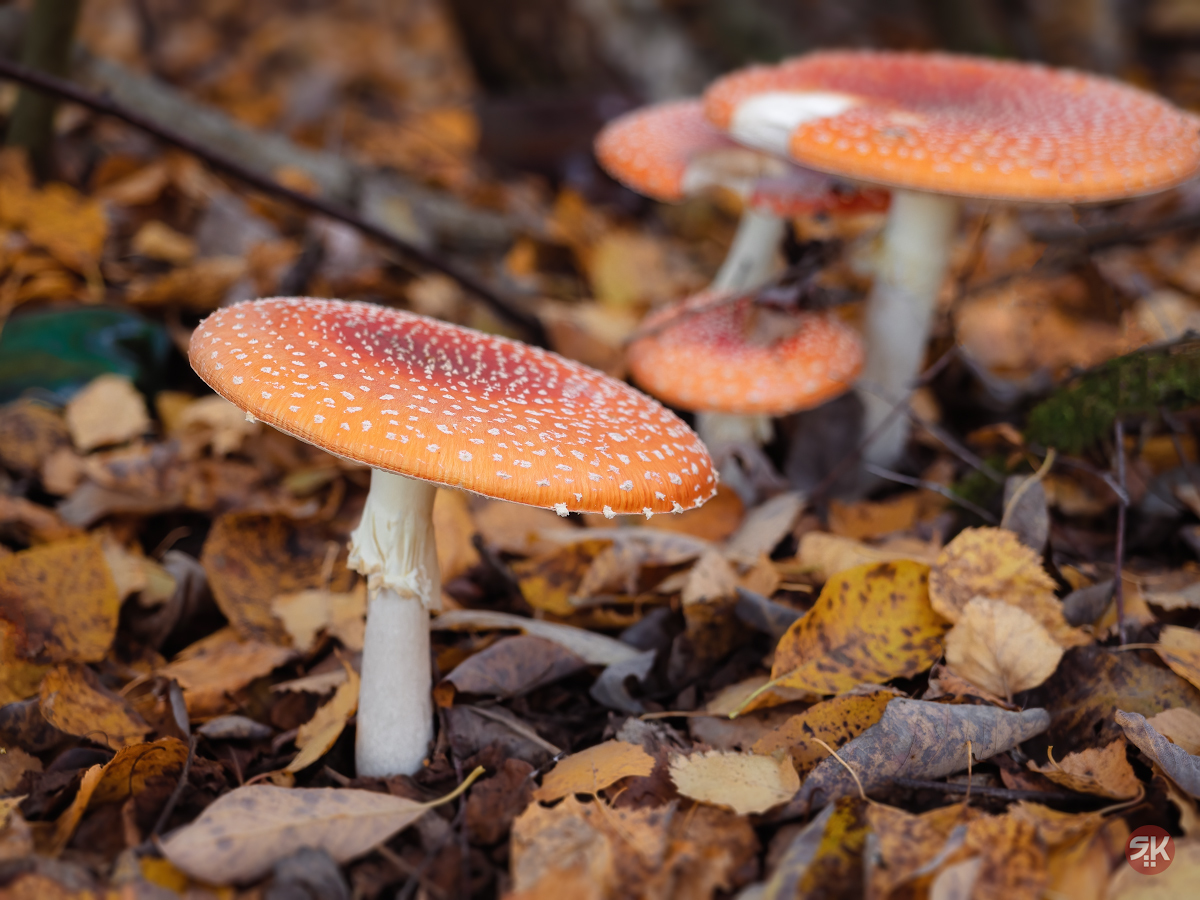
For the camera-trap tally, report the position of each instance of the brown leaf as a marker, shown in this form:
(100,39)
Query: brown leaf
(513,665)
(216,666)
(14,763)
(711,578)
(828,554)
(909,843)
(123,776)
(62,601)
(108,411)
(825,859)
(29,434)
(522,530)
(592,770)
(1179,765)
(252,558)
(915,739)
(454,528)
(1180,726)
(764,527)
(1178,881)
(597,649)
(1180,649)
(865,519)
(834,721)
(1001,648)
(994,564)
(744,782)
(714,521)
(549,581)
(870,624)
(198,288)
(75,702)
(1014,860)
(495,802)
(307,614)
(239,837)
(318,734)
(1094,771)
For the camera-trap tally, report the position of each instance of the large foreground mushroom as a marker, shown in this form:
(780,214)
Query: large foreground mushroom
(426,403)
(934,128)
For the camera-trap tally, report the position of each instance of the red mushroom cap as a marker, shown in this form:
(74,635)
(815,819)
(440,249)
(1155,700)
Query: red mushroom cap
(700,355)
(446,404)
(670,151)
(960,125)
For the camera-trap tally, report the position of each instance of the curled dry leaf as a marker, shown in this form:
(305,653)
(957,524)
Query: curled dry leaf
(1103,771)
(108,411)
(216,666)
(911,846)
(1180,649)
(1179,765)
(1001,648)
(251,558)
(240,836)
(744,782)
(993,563)
(75,702)
(597,649)
(1179,725)
(14,763)
(317,735)
(834,721)
(511,666)
(60,601)
(826,853)
(307,614)
(870,624)
(592,770)
(916,739)
(125,775)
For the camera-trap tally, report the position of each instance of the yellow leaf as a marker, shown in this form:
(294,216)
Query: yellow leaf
(1001,648)
(865,519)
(61,599)
(1104,771)
(592,770)
(834,721)
(318,734)
(306,614)
(548,582)
(18,678)
(108,411)
(993,563)
(870,624)
(73,701)
(828,554)
(199,287)
(1180,649)
(157,240)
(216,666)
(744,782)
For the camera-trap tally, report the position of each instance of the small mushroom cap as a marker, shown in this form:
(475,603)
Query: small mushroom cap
(457,407)
(960,125)
(719,353)
(670,151)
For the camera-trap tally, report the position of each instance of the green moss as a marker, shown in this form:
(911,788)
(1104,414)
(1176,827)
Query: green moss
(1082,413)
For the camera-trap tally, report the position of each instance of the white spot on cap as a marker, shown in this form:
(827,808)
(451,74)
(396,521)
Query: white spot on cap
(627,485)
(608,513)
(464,455)
(237,379)
(561,509)
(317,418)
(250,418)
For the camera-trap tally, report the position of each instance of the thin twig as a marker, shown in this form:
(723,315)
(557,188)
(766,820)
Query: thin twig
(952,787)
(67,90)
(1118,584)
(955,446)
(1037,477)
(967,797)
(178,792)
(889,475)
(861,793)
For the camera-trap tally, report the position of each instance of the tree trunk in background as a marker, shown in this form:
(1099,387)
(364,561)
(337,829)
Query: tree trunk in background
(47,46)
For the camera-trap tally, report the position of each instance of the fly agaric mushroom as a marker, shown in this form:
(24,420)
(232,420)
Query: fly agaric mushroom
(669,152)
(935,128)
(426,403)
(736,364)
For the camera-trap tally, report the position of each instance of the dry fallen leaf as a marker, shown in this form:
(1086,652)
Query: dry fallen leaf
(549,581)
(597,649)
(512,666)
(916,739)
(592,770)
(1001,648)
(306,614)
(744,782)
(826,854)
(240,836)
(108,411)
(1180,649)
(1179,725)
(764,527)
(75,702)
(157,240)
(834,721)
(454,528)
(711,578)
(908,843)
(1178,881)
(14,763)
(865,519)
(870,624)
(318,734)
(1179,765)
(993,563)
(1103,771)
(61,600)
(828,554)
(214,667)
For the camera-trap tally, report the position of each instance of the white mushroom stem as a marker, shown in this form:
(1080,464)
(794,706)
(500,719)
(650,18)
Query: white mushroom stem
(751,257)
(912,266)
(395,548)
(721,430)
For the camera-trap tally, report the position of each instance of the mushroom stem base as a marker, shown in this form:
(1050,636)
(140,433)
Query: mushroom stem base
(916,254)
(751,258)
(395,710)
